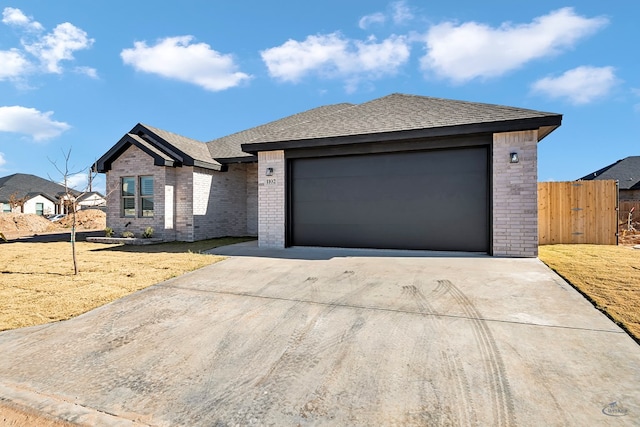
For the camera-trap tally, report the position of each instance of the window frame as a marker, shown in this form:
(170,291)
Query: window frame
(144,196)
(41,205)
(130,196)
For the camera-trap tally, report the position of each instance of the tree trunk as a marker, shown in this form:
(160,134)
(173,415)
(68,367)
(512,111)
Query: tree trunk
(73,244)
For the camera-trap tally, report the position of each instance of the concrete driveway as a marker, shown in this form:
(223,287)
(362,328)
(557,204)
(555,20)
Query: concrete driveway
(334,337)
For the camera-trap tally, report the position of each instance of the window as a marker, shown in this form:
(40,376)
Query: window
(146,196)
(6,207)
(39,208)
(128,195)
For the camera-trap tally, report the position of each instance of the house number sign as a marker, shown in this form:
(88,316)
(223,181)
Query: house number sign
(271,181)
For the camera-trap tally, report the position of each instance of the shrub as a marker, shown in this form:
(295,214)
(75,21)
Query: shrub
(108,232)
(148,233)
(128,234)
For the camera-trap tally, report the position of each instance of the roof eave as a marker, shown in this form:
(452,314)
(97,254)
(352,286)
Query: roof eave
(239,159)
(103,164)
(546,124)
(205,165)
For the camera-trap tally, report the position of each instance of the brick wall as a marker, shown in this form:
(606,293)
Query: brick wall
(189,203)
(220,202)
(252,199)
(515,195)
(135,163)
(184,203)
(271,199)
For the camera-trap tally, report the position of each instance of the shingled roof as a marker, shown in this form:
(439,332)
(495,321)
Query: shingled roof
(625,171)
(393,117)
(230,146)
(399,116)
(22,185)
(166,148)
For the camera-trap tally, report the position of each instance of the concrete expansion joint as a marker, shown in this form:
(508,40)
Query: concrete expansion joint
(384,309)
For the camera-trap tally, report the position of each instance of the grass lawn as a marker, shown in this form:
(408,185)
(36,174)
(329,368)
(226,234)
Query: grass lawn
(607,275)
(37,284)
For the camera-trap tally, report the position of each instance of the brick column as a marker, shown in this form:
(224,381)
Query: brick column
(271,199)
(515,194)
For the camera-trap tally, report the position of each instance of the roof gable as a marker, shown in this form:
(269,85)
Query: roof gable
(166,149)
(626,171)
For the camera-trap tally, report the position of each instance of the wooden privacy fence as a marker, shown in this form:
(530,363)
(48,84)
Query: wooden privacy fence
(578,212)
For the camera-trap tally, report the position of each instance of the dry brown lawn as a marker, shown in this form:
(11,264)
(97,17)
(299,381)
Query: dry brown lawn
(37,284)
(608,275)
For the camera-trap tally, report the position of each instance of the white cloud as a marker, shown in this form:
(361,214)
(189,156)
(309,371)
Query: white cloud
(332,55)
(13,16)
(14,64)
(3,161)
(180,59)
(49,49)
(401,12)
(580,85)
(78,181)
(374,18)
(87,71)
(30,121)
(463,52)
(59,45)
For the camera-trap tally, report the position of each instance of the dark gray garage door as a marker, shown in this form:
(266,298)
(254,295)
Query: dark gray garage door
(435,200)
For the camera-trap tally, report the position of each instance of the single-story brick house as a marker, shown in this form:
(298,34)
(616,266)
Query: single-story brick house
(401,171)
(626,172)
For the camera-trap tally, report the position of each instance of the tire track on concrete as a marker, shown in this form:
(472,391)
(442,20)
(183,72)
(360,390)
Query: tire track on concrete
(493,365)
(300,355)
(458,384)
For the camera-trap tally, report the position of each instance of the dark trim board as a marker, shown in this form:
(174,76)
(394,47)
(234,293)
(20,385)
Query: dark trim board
(427,199)
(546,124)
(393,146)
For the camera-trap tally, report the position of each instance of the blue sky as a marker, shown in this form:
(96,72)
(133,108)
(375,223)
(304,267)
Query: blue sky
(79,75)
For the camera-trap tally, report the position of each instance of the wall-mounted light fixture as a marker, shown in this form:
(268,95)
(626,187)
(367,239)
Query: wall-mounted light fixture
(514,157)
(269,171)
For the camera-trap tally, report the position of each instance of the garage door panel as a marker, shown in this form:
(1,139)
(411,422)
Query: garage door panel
(415,200)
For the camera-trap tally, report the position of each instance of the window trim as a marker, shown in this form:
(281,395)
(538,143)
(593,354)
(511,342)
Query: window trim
(129,196)
(142,197)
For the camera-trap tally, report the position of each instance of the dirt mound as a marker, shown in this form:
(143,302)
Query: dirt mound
(88,219)
(20,224)
(628,236)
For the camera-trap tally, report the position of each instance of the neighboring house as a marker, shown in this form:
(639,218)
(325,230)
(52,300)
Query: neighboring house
(402,171)
(92,199)
(626,172)
(41,196)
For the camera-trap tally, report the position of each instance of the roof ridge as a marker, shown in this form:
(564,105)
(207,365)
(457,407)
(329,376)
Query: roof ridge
(461,101)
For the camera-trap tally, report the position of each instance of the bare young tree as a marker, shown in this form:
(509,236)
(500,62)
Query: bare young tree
(17,202)
(70,198)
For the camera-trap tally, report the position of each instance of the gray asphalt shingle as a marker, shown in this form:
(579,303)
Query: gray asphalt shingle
(391,113)
(230,146)
(25,184)
(625,171)
(399,112)
(193,148)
